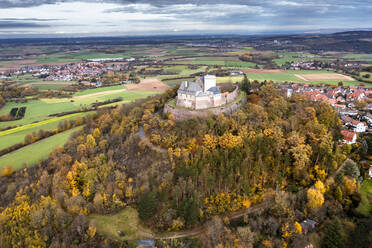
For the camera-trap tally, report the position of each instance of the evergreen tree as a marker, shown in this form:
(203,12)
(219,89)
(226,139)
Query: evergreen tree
(147,206)
(351,168)
(333,236)
(189,211)
(246,85)
(338,194)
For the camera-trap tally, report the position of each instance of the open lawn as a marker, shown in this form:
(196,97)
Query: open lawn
(36,152)
(16,135)
(365,206)
(126,221)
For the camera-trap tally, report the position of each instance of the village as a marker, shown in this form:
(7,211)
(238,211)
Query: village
(353,103)
(79,71)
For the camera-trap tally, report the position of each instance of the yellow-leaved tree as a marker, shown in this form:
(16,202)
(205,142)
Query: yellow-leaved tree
(315,198)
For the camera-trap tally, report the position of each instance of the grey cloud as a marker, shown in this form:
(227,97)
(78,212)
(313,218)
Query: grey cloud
(15,25)
(163,3)
(29,19)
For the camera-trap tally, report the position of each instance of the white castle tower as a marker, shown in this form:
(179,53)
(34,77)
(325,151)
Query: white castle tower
(209,81)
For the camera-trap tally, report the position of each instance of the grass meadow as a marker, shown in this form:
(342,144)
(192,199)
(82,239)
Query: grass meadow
(38,110)
(17,135)
(126,221)
(365,206)
(35,152)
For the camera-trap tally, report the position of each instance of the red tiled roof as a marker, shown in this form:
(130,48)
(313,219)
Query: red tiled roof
(348,135)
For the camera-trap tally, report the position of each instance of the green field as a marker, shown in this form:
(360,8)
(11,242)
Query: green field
(294,57)
(227,63)
(126,221)
(38,110)
(16,135)
(100,89)
(46,87)
(362,57)
(365,206)
(36,152)
(67,57)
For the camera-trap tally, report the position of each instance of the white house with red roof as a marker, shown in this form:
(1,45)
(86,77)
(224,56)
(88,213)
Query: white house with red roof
(349,137)
(359,127)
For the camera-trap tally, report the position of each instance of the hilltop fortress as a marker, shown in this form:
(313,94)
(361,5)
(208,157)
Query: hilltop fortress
(202,98)
(203,94)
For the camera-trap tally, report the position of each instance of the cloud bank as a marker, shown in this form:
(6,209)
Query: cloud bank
(143,17)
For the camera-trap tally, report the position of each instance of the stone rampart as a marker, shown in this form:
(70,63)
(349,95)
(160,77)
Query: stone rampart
(181,114)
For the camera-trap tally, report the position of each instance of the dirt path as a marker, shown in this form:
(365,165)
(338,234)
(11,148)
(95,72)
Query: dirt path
(331,178)
(143,137)
(202,229)
(301,77)
(100,94)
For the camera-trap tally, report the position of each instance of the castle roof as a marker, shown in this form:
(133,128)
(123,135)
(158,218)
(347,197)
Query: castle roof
(214,90)
(190,88)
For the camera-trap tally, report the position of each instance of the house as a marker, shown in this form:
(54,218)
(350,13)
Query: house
(308,226)
(146,243)
(359,127)
(370,171)
(349,137)
(98,84)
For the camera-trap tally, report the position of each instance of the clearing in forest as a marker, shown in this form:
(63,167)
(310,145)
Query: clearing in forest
(124,225)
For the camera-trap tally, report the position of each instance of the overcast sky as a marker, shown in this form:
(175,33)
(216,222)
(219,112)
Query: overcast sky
(149,17)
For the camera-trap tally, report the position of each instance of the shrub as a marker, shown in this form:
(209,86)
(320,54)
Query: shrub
(7,171)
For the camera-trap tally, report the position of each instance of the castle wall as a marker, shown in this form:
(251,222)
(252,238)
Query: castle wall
(208,101)
(187,101)
(203,102)
(230,97)
(184,114)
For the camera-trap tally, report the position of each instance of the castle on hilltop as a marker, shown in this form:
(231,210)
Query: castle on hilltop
(203,98)
(201,94)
